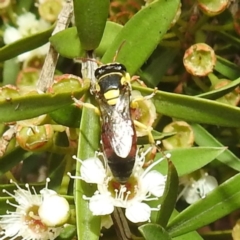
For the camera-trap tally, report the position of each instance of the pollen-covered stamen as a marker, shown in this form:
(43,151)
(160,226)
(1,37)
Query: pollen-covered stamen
(14,205)
(8,193)
(123,192)
(33,220)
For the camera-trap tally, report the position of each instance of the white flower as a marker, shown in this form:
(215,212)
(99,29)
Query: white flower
(197,189)
(143,185)
(27,26)
(31,218)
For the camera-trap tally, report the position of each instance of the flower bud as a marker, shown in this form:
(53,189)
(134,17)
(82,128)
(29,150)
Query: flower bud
(213,7)
(183,138)
(236,231)
(8,91)
(35,138)
(143,111)
(66,83)
(236,22)
(231,98)
(4,4)
(199,59)
(49,9)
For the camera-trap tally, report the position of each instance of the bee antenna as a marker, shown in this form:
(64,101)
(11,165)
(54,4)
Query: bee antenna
(118,50)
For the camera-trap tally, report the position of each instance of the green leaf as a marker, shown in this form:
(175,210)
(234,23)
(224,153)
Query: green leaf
(204,138)
(194,109)
(217,204)
(141,34)
(68,232)
(110,32)
(191,235)
(11,159)
(156,68)
(71,50)
(169,197)
(221,91)
(25,44)
(227,68)
(188,236)
(187,160)
(11,70)
(74,49)
(230,38)
(67,116)
(33,105)
(90,19)
(152,231)
(88,226)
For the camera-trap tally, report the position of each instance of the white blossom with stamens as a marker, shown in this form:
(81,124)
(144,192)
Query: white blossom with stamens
(27,26)
(27,222)
(143,185)
(195,190)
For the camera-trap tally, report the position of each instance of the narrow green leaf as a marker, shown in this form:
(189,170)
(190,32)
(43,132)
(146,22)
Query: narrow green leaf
(218,203)
(68,232)
(152,231)
(227,68)
(33,105)
(4,207)
(204,138)
(74,49)
(110,32)
(88,226)
(194,109)
(230,38)
(156,68)
(221,91)
(11,70)
(190,235)
(90,19)
(187,160)
(141,34)
(23,6)
(12,158)
(25,44)
(67,116)
(169,197)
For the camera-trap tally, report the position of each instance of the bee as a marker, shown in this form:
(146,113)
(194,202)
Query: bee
(119,140)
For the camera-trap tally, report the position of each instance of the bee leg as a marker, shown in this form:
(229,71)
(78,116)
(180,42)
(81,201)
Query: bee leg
(80,104)
(150,156)
(134,103)
(136,79)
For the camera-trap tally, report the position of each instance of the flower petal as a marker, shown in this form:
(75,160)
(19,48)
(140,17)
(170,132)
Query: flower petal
(210,183)
(100,204)
(138,212)
(154,182)
(191,195)
(92,171)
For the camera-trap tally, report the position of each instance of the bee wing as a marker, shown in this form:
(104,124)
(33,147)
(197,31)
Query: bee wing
(118,125)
